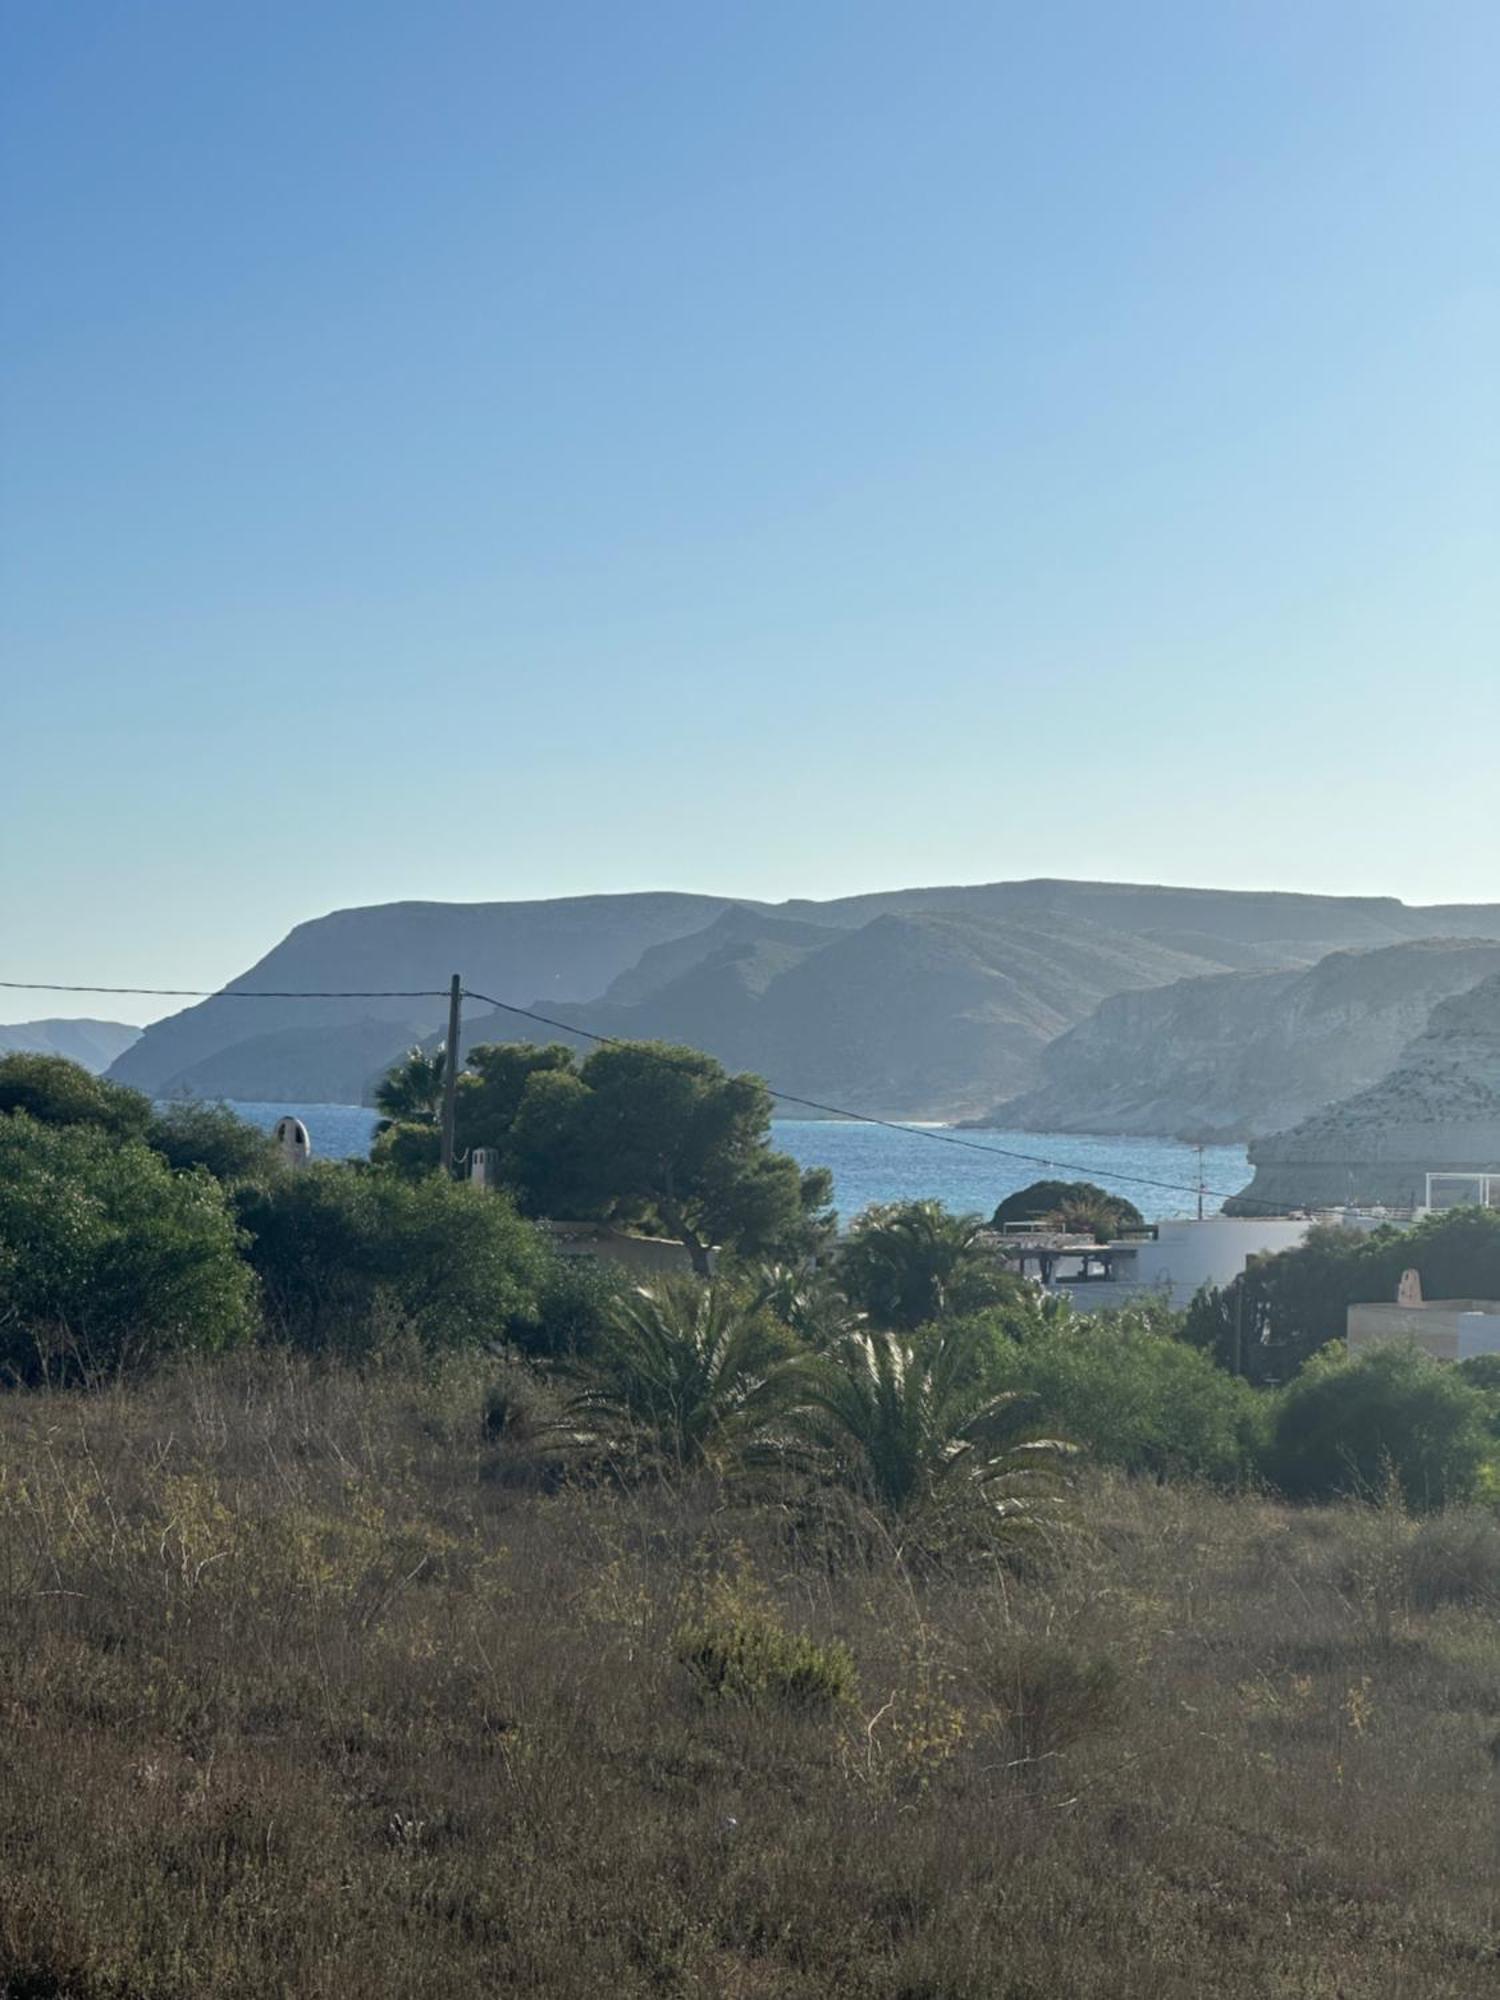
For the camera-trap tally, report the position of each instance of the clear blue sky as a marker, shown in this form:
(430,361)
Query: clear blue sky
(480,450)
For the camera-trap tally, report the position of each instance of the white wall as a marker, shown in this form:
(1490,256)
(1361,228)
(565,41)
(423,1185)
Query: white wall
(1187,1254)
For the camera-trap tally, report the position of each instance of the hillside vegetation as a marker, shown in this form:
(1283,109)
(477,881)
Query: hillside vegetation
(312,1687)
(393,1607)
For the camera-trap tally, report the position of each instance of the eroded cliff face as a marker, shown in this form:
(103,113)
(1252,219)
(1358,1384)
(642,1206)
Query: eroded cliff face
(1438,1109)
(1245,1054)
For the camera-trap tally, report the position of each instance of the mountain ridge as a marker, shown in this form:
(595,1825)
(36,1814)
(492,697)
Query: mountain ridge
(997,991)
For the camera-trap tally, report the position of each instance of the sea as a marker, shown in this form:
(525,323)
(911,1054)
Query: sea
(969,1172)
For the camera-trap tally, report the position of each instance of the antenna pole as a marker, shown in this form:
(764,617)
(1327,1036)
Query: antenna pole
(451,1061)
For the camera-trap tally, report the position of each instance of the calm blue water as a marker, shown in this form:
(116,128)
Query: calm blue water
(870,1163)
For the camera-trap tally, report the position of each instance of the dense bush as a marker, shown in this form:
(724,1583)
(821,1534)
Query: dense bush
(108,1260)
(54,1091)
(681,1373)
(1133,1396)
(347,1259)
(572,1302)
(1349,1426)
(909,1422)
(1094,1208)
(194,1134)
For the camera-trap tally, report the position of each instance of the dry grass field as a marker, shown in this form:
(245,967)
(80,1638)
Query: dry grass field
(308,1687)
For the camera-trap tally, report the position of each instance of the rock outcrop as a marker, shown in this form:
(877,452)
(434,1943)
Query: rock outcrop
(1438,1110)
(1244,1054)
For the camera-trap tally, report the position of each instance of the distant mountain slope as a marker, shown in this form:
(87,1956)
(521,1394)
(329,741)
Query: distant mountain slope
(1244,1053)
(917,1015)
(517,951)
(1437,1110)
(1280,927)
(740,933)
(94,1044)
(971,1022)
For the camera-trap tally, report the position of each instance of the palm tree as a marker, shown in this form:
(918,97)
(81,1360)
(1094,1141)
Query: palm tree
(909,1263)
(902,1419)
(691,1371)
(806,1300)
(411,1091)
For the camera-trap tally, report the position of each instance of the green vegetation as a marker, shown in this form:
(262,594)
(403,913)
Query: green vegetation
(348,1260)
(1124,1387)
(108,1261)
(1286,1307)
(1349,1426)
(910,1264)
(1077,1206)
(489,1623)
(683,1372)
(649,1135)
(738,1650)
(911,1422)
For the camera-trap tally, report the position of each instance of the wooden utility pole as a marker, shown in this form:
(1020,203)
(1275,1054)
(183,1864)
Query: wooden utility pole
(451,1060)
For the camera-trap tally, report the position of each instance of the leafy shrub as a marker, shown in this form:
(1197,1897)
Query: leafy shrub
(54,1091)
(740,1652)
(1050,1694)
(1348,1426)
(341,1252)
(574,1299)
(1106,1214)
(108,1260)
(194,1134)
(1135,1397)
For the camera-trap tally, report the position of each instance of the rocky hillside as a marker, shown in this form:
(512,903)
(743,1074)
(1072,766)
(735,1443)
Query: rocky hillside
(522,952)
(923,1002)
(94,1044)
(1244,1054)
(1437,1110)
(918,1015)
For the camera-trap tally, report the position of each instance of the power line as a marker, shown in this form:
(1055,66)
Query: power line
(616,1041)
(890,1124)
(220,992)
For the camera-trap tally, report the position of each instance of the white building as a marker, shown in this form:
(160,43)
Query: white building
(1185,1254)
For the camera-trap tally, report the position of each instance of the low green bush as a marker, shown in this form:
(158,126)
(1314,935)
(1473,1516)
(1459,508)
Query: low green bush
(1350,1426)
(343,1255)
(1135,1397)
(194,1134)
(740,1652)
(572,1304)
(109,1261)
